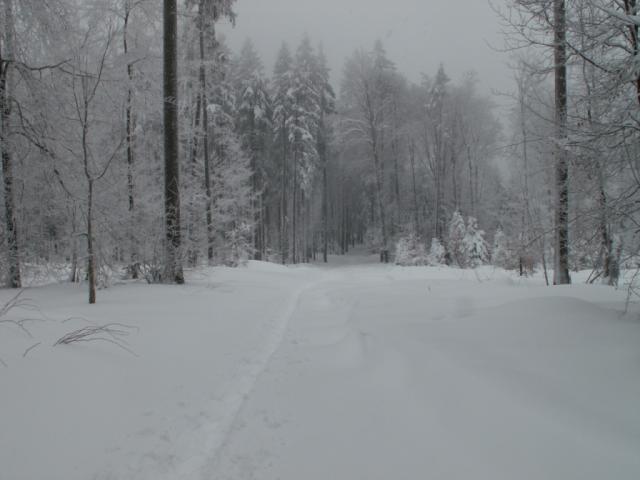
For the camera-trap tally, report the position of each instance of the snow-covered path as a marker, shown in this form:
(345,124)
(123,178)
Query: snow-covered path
(387,373)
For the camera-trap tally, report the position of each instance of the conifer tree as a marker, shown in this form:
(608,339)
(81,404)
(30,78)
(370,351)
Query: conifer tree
(476,251)
(326,104)
(303,125)
(252,124)
(281,122)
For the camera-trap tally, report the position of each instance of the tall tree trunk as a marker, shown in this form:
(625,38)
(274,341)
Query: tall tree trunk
(173,266)
(454,180)
(630,9)
(412,159)
(130,127)
(526,212)
(193,156)
(473,192)
(91,254)
(395,149)
(256,187)
(192,227)
(381,206)
(294,208)
(6,85)
(561,270)
(439,214)
(74,274)
(606,250)
(325,211)
(205,136)
(284,198)
(322,152)
(258,233)
(129,112)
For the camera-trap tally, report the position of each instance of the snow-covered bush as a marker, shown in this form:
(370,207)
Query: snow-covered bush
(455,241)
(410,251)
(437,253)
(476,251)
(500,254)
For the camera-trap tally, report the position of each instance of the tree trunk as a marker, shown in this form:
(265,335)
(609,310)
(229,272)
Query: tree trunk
(526,212)
(544,260)
(607,254)
(205,138)
(412,159)
(6,84)
(193,249)
(395,149)
(74,274)
(257,210)
(322,151)
(380,197)
(439,214)
(325,212)
(134,268)
(561,270)
(256,187)
(630,9)
(454,180)
(284,199)
(294,208)
(173,267)
(91,255)
(381,206)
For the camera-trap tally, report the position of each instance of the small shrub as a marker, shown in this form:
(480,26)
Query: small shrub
(410,251)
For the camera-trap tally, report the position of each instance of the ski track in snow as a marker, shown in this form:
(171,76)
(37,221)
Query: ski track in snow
(205,444)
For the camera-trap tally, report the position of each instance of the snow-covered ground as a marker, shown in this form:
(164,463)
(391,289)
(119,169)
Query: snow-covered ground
(352,371)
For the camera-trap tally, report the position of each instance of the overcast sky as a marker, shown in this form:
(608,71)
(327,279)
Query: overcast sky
(418,34)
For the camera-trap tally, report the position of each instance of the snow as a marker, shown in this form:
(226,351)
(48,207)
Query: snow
(352,371)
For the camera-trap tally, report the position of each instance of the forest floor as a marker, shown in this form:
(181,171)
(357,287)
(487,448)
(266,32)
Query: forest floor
(351,371)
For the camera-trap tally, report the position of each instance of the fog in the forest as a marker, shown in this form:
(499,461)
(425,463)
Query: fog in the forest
(418,34)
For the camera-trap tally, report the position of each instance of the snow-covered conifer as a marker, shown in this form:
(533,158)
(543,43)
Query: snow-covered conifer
(252,124)
(475,247)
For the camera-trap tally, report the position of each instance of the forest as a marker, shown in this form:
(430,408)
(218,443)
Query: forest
(223,260)
(135,143)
